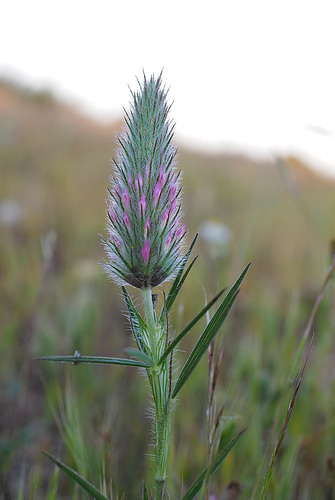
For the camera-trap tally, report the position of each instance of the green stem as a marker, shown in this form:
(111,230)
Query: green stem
(160,391)
(159,377)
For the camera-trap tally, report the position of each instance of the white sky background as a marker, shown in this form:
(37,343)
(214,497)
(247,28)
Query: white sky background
(257,75)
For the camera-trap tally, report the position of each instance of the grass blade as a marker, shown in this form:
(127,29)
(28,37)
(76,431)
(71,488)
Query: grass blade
(137,323)
(144,492)
(182,334)
(209,471)
(209,333)
(86,485)
(280,439)
(98,360)
(317,303)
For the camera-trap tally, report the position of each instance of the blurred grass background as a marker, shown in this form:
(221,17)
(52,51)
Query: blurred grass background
(54,299)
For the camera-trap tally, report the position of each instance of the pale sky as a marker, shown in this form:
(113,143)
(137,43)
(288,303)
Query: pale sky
(252,75)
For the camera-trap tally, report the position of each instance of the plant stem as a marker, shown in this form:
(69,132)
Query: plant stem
(162,438)
(159,378)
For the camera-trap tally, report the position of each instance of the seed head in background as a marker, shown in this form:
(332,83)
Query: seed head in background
(144,246)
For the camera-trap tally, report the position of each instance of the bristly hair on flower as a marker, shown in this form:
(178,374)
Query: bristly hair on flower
(145,235)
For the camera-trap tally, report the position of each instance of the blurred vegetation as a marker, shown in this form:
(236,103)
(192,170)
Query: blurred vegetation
(54,299)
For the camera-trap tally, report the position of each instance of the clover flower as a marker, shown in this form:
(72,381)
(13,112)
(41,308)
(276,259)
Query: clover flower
(144,247)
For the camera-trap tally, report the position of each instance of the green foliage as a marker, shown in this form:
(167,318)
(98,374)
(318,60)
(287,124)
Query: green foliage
(144,493)
(86,485)
(178,282)
(97,360)
(209,471)
(189,327)
(52,491)
(140,355)
(208,334)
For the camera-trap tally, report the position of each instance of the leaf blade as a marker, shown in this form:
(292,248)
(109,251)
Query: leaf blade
(202,345)
(84,483)
(140,355)
(178,282)
(144,492)
(188,327)
(209,333)
(98,360)
(196,486)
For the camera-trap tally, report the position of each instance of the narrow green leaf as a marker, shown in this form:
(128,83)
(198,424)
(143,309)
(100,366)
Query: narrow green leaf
(86,485)
(227,433)
(209,471)
(98,360)
(203,343)
(144,492)
(209,333)
(52,490)
(182,334)
(135,353)
(178,282)
(137,322)
(171,300)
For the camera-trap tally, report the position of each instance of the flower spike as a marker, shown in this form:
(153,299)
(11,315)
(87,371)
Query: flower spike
(144,247)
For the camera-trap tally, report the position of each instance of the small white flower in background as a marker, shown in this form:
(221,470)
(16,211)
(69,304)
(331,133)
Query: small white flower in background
(217,238)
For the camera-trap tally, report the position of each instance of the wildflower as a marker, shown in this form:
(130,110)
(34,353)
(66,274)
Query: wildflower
(142,205)
(146,251)
(144,247)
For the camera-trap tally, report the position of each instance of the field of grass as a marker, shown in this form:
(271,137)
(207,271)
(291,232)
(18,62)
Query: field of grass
(55,299)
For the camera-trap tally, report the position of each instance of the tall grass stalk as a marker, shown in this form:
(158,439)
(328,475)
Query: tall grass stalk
(298,380)
(316,306)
